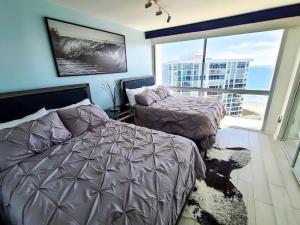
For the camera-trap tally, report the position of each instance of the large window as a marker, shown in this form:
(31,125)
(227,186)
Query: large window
(181,63)
(244,62)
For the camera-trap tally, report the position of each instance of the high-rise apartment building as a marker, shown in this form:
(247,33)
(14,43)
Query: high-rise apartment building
(218,73)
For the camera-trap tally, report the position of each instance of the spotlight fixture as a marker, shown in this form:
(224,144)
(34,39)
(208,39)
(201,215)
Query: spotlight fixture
(169,18)
(148,4)
(159,12)
(160,9)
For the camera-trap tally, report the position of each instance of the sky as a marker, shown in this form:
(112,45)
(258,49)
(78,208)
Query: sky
(262,47)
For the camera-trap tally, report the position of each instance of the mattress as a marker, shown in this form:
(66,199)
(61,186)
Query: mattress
(192,117)
(114,174)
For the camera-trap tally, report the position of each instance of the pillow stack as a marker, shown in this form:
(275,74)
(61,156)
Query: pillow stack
(131,94)
(152,95)
(163,92)
(147,98)
(32,137)
(29,138)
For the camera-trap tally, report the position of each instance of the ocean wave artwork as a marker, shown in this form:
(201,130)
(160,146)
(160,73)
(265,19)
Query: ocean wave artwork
(82,50)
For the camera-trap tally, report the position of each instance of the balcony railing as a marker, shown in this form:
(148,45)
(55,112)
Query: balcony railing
(219,90)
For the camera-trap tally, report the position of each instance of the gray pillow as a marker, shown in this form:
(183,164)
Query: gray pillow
(80,119)
(27,139)
(162,92)
(147,98)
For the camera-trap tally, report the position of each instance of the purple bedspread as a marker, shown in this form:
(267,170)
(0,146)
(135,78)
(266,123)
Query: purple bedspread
(114,174)
(191,117)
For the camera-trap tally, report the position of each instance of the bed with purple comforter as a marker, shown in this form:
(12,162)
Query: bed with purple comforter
(192,117)
(110,173)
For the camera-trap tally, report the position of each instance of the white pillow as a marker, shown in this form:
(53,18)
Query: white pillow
(42,112)
(83,102)
(153,87)
(132,92)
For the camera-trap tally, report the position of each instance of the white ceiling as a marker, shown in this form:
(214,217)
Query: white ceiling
(132,13)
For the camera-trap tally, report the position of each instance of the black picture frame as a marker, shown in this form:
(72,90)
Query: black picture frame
(75,56)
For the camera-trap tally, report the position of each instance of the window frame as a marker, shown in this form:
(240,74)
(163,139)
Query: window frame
(202,75)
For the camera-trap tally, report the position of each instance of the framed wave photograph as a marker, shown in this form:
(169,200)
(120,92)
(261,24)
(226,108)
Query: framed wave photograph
(80,50)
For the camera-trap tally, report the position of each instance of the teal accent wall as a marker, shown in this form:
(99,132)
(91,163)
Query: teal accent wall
(26,60)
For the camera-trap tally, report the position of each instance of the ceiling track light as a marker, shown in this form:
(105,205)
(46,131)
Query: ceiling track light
(160,9)
(169,18)
(159,12)
(148,4)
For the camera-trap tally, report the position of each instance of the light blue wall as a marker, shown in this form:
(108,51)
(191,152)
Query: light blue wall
(25,55)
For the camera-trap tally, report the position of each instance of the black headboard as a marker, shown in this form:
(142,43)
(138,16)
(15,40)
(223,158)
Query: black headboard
(134,82)
(15,105)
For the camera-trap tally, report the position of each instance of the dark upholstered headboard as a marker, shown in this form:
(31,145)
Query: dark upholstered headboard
(134,82)
(15,105)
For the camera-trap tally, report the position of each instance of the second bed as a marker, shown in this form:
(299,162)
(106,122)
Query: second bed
(192,117)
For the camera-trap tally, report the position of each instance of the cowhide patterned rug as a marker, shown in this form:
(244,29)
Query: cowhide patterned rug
(215,200)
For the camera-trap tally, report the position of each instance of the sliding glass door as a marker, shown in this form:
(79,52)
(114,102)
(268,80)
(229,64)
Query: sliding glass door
(291,136)
(236,69)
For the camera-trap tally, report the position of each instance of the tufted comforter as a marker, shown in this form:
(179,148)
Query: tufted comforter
(191,117)
(114,174)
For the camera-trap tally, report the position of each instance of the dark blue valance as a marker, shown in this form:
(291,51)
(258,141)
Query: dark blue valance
(253,17)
